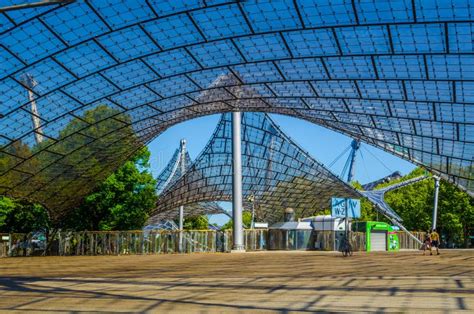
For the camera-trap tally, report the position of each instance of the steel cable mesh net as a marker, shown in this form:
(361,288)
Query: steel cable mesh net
(190,210)
(167,178)
(84,84)
(275,171)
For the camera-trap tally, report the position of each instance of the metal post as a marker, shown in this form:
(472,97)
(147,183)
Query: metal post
(251,199)
(181,219)
(181,208)
(346,222)
(253,216)
(10,244)
(435,207)
(238,240)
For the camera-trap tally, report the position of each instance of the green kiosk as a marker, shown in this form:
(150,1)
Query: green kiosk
(379,236)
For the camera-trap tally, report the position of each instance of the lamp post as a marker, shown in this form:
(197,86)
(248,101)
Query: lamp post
(435,207)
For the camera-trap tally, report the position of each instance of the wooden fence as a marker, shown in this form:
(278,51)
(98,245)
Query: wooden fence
(167,242)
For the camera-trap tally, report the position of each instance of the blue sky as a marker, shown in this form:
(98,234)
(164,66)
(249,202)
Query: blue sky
(323,144)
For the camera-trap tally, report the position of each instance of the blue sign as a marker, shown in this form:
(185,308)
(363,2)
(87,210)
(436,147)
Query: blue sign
(338,207)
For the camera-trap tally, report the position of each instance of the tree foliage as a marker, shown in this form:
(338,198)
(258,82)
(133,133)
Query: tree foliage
(20,216)
(196,223)
(12,156)
(82,154)
(60,171)
(246,220)
(122,202)
(414,204)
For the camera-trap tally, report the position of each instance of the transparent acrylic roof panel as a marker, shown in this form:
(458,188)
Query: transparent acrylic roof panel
(395,74)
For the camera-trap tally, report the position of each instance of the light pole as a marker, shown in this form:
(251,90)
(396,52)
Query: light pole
(435,207)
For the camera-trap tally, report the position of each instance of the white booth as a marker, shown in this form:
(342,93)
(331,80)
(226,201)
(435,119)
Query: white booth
(327,229)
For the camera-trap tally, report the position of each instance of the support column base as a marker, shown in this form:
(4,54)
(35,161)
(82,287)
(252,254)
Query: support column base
(237,251)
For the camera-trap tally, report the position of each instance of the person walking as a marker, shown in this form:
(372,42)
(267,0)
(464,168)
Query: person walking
(427,242)
(434,241)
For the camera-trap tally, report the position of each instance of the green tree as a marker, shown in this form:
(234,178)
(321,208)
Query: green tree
(122,202)
(7,205)
(12,156)
(20,216)
(91,148)
(62,169)
(414,204)
(246,220)
(196,223)
(455,213)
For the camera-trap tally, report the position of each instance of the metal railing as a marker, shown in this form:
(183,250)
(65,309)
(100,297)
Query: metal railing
(167,242)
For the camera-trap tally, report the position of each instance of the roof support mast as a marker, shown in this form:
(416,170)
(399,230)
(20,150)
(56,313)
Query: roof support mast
(238,232)
(355,147)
